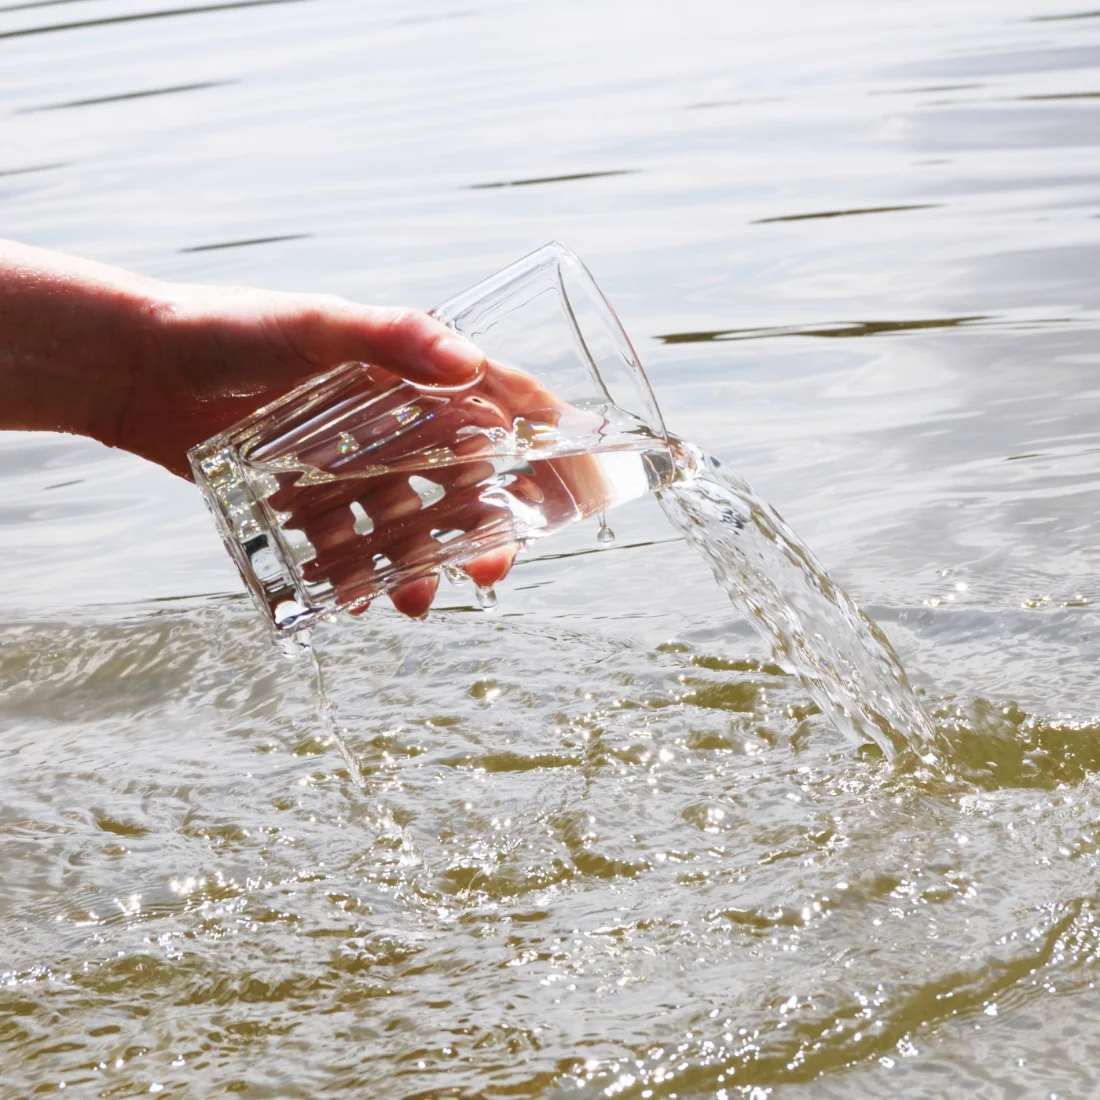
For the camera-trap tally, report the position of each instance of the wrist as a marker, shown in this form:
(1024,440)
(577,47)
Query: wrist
(73,339)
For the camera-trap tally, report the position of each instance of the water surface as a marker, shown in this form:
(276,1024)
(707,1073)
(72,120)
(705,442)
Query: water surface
(604,846)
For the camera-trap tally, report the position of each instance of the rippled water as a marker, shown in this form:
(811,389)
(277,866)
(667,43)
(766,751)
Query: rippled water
(812,627)
(604,846)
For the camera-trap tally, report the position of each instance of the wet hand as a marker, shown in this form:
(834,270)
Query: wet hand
(433,464)
(156,368)
(221,353)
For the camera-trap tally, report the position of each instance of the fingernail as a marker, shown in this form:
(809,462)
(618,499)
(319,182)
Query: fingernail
(456,360)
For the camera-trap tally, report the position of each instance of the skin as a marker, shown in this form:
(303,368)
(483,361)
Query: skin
(457,421)
(154,368)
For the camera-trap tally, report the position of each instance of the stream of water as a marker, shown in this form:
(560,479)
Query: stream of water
(812,626)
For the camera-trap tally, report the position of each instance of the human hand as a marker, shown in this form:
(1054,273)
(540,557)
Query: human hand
(155,368)
(401,470)
(223,352)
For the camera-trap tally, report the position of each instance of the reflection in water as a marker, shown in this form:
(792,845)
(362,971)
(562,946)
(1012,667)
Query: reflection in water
(928,89)
(142,16)
(833,332)
(1061,95)
(1068,16)
(710,105)
(247,244)
(146,94)
(552,179)
(32,168)
(603,845)
(845,213)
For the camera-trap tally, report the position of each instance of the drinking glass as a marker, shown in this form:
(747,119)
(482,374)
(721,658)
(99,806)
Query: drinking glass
(358,481)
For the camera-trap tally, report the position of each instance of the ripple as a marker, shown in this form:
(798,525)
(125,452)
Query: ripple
(603,844)
(839,331)
(534,181)
(33,168)
(137,17)
(247,243)
(122,97)
(856,212)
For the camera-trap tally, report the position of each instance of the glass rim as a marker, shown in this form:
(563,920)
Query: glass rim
(506,278)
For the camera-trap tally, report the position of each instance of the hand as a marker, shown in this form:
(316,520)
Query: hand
(223,353)
(401,471)
(155,368)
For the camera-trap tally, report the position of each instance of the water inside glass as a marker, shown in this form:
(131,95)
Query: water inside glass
(359,482)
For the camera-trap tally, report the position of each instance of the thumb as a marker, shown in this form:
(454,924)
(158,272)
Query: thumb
(405,341)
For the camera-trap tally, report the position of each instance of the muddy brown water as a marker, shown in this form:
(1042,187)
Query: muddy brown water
(604,847)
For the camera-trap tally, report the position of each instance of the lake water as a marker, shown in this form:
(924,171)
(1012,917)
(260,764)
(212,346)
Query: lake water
(604,847)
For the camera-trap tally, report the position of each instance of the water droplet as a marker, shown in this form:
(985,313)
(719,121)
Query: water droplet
(348,444)
(606,536)
(455,575)
(486,598)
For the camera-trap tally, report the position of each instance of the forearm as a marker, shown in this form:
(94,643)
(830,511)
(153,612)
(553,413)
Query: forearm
(71,340)
(156,367)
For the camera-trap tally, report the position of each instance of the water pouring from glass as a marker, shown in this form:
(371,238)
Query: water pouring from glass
(360,483)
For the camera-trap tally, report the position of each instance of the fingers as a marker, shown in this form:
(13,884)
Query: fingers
(356,580)
(357,567)
(369,528)
(374,531)
(458,423)
(330,330)
(341,554)
(488,569)
(420,348)
(414,599)
(389,511)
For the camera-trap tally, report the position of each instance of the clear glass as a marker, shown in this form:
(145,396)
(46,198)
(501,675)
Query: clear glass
(359,481)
